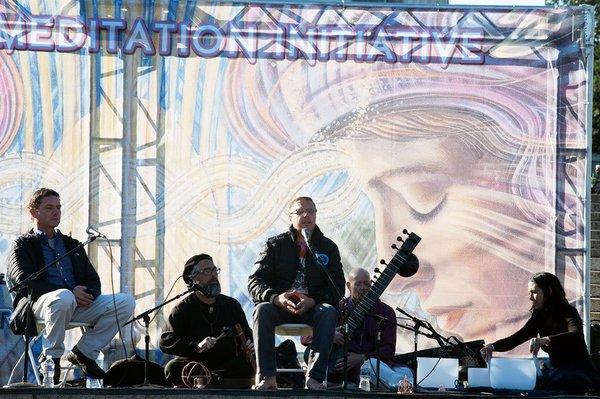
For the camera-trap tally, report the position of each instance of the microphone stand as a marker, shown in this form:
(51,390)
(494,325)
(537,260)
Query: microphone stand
(145,316)
(432,334)
(345,348)
(380,322)
(341,295)
(26,284)
(377,346)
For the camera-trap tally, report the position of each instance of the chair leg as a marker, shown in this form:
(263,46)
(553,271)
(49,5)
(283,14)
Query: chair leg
(64,379)
(34,363)
(15,368)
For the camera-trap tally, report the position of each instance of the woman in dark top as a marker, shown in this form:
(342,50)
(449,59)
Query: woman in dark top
(555,327)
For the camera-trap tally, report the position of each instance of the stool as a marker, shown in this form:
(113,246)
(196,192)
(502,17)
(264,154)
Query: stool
(293,330)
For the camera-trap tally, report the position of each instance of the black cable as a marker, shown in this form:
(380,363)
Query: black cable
(430,371)
(385,385)
(167,297)
(112,287)
(141,325)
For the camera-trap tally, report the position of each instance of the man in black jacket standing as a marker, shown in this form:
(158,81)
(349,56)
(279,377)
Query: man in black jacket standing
(288,285)
(67,291)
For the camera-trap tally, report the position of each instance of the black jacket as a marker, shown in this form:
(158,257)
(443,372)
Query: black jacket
(277,265)
(26,257)
(189,323)
(564,327)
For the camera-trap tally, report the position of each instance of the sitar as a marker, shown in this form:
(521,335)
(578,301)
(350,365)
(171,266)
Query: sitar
(403,263)
(397,265)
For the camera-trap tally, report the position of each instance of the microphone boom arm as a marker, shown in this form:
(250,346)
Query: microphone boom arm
(25,282)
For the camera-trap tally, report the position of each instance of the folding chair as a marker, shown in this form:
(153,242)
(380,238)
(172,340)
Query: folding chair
(33,361)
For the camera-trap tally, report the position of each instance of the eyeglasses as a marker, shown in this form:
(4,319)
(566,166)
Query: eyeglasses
(302,211)
(208,272)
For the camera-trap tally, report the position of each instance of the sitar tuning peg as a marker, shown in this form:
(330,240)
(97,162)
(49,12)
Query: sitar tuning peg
(399,239)
(382,261)
(404,231)
(377,270)
(394,246)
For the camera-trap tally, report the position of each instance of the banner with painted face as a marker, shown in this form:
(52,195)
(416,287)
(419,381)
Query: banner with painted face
(185,127)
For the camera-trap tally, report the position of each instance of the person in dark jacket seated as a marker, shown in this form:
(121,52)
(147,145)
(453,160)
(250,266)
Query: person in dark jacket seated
(555,327)
(68,291)
(288,285)
(202,328)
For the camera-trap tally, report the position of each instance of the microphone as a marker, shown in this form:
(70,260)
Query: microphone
(197,287)
(93,232)
(306,233)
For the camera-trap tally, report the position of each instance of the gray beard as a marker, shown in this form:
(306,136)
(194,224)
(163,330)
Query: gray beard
(213,289)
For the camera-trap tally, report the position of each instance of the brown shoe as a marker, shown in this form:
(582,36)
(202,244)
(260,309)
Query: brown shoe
(89,367)
(314,385)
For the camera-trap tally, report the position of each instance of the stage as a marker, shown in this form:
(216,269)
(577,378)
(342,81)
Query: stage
(140,393)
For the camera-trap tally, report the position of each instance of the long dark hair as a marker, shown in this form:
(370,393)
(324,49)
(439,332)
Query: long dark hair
(554,294)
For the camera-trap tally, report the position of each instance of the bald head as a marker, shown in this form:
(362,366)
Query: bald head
(358,272)
(359,283)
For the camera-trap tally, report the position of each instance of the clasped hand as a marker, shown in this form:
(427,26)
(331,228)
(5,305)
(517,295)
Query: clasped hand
(82,297)
(294,302)
(354,360)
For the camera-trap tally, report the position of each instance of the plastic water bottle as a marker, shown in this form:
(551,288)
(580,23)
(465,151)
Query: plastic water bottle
(93,383)
(365,377)
(48,372)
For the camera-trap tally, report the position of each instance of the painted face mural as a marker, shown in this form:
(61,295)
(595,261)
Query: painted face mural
(451,123)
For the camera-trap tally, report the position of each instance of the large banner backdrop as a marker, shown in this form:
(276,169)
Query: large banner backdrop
(187,127)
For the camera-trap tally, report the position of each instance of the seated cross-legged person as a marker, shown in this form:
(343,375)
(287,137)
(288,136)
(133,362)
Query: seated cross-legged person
(362,343)
(196,322)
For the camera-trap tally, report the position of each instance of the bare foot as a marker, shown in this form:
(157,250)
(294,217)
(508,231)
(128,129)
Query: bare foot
(266,384)
(314,385)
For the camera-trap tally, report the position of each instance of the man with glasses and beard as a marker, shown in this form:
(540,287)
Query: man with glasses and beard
(198,326)
(288,285)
